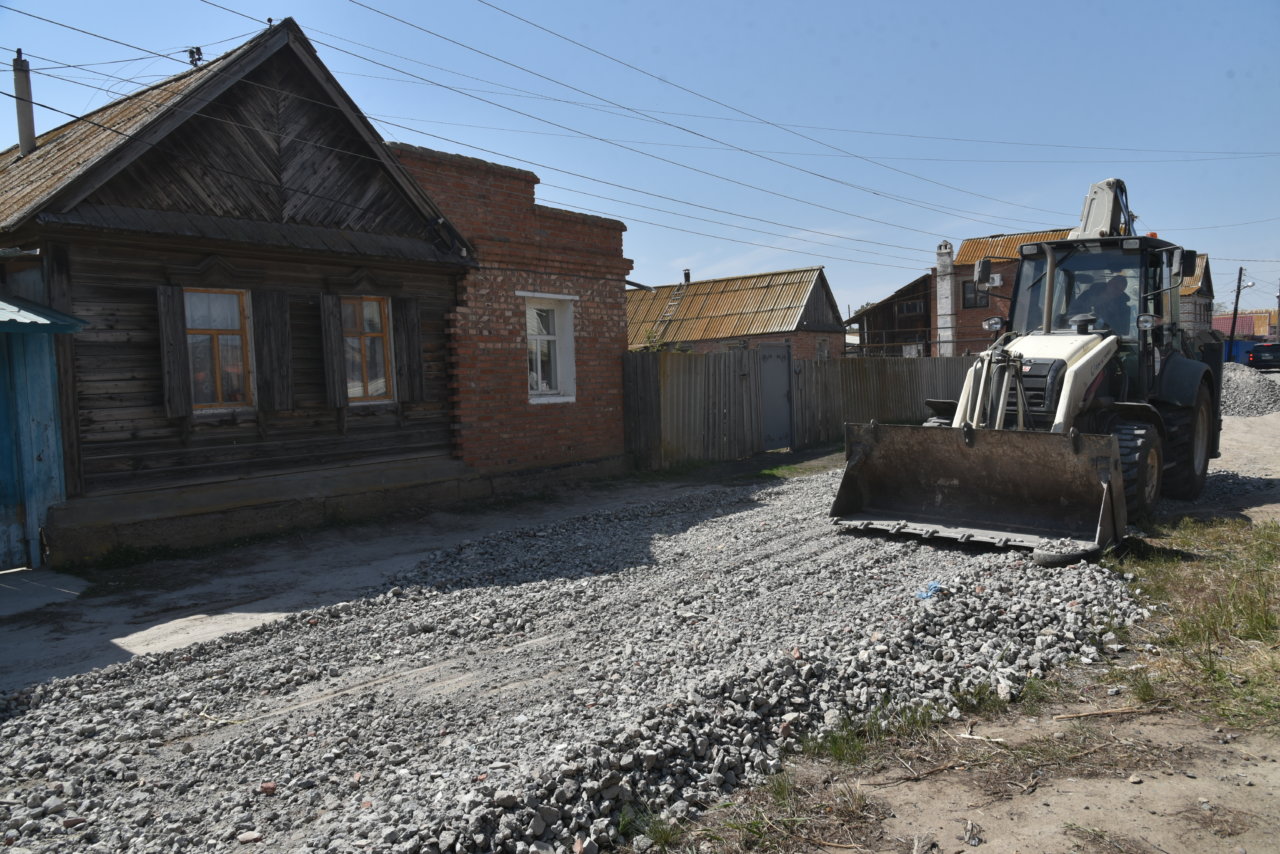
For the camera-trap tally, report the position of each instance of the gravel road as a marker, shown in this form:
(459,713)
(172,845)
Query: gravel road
(523,691)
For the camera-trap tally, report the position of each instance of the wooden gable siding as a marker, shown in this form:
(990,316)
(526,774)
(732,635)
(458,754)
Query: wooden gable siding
(273,148)
(127,439)
(820,313)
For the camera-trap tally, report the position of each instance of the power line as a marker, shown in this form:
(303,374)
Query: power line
(742,112)
(735,240)
(589,210)
(360,155)
(901,199)
(325,104)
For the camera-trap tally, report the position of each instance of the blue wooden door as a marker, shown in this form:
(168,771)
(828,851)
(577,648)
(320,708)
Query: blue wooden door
(13,540)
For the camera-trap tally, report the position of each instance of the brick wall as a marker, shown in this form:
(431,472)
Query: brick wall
(970,336)
(522,246)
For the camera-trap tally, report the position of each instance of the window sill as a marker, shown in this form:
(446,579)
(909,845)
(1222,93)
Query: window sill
(553,398)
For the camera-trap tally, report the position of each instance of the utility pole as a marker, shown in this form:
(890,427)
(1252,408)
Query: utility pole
(1234,313)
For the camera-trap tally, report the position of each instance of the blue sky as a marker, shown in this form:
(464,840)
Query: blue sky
(749,136)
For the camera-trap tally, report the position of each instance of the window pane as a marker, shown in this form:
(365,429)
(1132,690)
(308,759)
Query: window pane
(376,366)
(231,357)
(355,376)
(198,315)
(541,321)
(372,315)
(224,311)
(200,354)
(350,316)
(547,365)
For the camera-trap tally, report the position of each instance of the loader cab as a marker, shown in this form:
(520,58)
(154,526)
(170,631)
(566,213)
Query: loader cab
(1125,283)
(1099,277)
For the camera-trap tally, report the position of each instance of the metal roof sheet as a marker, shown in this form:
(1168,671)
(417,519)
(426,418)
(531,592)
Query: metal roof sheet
(1193,283)
(18,315)
(975,249)
(1250,323)
(731,307)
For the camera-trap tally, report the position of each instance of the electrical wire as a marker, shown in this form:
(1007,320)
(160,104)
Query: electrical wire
(749,115)
(375,159)
(936,208)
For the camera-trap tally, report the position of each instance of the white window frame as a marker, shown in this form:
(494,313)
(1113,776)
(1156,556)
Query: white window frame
(563,306)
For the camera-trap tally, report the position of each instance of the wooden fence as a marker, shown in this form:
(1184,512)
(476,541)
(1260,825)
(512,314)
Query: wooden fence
(682,407)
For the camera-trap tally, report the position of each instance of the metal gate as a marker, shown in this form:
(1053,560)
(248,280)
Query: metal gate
(775,395)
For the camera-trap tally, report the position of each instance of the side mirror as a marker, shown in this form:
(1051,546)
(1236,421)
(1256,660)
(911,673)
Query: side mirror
(982,271)
(1189,257)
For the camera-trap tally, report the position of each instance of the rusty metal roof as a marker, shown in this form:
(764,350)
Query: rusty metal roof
(64,154)
(732,307)
(1192,284)
(1003,245)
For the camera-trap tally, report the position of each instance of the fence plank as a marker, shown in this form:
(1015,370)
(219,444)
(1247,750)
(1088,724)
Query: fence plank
(681,407)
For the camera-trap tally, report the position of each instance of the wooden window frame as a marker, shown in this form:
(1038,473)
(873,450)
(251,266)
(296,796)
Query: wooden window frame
(245,331)
(384,309)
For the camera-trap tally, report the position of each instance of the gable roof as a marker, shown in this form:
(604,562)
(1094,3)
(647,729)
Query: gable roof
(732,307)
(1201,282)
(924,282)
(974,249)
(1250,323)
(74,160)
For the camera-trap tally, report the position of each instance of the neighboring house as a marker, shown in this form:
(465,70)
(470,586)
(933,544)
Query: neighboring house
(1251,324)
(1195,298)
(540,326)
(969,304)
(282,328)
(899,324)
(791,308)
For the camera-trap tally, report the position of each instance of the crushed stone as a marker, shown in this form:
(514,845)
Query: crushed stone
(525,691)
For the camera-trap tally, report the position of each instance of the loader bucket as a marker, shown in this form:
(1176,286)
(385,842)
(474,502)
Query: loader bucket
(1007,487)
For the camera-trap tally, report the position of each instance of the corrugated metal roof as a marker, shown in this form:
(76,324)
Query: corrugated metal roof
(1003,245)
(18,315)
(63,154)
(1191,284)
(732,307)
(1251,323)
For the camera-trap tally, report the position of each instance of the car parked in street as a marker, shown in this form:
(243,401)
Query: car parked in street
(1265,357)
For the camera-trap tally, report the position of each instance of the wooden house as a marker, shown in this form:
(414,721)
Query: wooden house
(792,309)
(1195,298)
(271,307)
(897,325)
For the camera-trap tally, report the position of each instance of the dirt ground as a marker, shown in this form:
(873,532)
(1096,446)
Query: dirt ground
(1034,784)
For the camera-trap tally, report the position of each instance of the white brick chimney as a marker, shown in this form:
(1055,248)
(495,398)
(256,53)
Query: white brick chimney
(946,301)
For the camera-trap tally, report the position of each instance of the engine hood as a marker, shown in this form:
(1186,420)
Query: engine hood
(1069,348)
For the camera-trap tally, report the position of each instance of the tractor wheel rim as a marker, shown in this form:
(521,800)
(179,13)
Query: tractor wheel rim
(1151,463)
(1200,440)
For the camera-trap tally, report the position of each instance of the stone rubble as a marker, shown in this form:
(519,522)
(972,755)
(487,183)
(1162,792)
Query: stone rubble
(1248,392)
(541,690)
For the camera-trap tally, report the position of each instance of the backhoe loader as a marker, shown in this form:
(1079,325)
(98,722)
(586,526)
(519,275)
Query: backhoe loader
(1089,404)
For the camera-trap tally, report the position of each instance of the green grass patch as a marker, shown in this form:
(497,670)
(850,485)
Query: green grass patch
(1217,585)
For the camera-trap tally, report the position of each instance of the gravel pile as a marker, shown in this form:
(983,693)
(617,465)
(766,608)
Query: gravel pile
(1248,392)
(523,692)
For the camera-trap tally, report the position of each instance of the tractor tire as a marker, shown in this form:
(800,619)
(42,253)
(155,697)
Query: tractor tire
(1190,434)
(1141,465)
